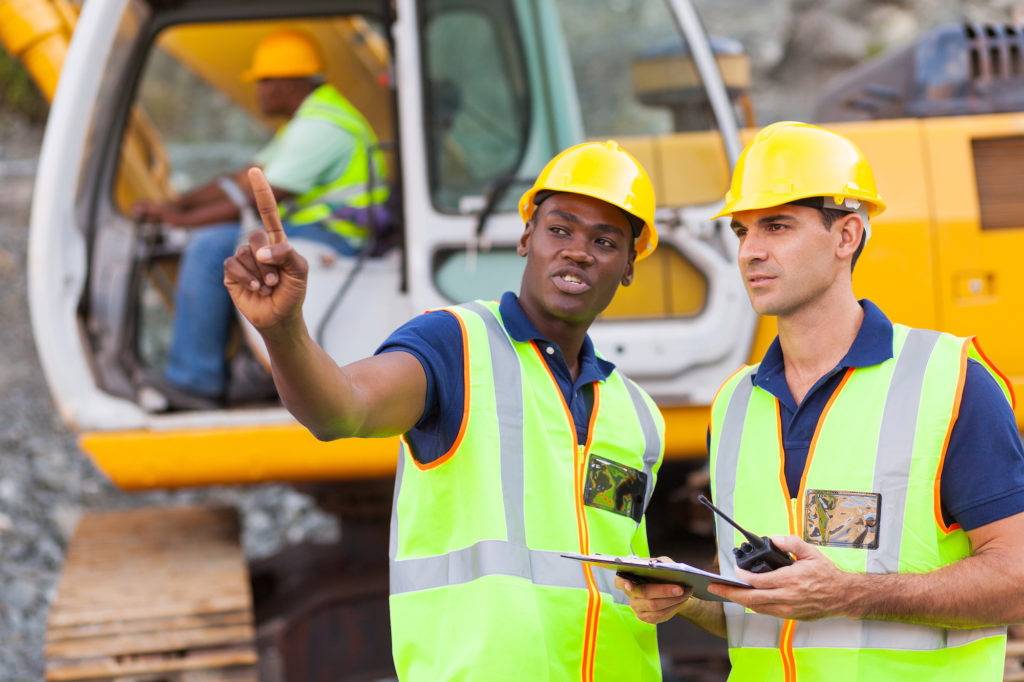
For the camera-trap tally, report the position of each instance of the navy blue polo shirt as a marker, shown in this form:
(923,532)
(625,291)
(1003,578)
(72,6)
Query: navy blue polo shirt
(983,473)
(435,339)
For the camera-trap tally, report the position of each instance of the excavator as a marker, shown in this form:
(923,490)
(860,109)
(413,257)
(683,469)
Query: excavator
(469,99)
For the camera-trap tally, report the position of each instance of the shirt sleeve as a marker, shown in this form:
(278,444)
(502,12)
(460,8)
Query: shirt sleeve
(435,339)
(308,153)
(983,474)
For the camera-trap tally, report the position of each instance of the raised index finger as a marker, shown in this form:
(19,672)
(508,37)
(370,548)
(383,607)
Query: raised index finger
(267,206)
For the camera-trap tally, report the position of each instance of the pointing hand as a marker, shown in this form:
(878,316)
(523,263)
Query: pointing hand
(266,277)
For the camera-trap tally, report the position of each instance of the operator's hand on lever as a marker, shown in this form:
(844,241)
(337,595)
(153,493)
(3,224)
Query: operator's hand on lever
(654,602)
(155,210)
(266,277)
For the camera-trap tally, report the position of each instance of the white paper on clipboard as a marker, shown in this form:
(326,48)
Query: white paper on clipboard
(653,570)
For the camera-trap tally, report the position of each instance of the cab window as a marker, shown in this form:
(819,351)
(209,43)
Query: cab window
(476,103)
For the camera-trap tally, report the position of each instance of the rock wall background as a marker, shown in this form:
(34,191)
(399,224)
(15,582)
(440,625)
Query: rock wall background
(796,46)
(45,482)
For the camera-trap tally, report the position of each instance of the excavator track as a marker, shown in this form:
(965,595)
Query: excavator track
(153,594)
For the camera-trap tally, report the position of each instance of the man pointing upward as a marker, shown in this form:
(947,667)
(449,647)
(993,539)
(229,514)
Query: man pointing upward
(512,427)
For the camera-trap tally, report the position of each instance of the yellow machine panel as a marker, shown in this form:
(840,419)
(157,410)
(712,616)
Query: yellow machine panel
(137,460)
(979,278)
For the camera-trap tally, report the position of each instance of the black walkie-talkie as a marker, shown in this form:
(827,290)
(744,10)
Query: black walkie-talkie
(758,554)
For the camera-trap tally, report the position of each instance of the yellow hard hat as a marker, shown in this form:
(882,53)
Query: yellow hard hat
(284,54)
(605,171)
(788,161)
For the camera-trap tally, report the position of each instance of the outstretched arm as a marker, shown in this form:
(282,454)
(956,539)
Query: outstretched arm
(984,589)
(377,396)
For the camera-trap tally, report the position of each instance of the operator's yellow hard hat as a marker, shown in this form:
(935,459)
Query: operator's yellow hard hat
(284,54)
(605,171)
(789,161)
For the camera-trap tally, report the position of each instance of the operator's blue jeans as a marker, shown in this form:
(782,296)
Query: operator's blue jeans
(203,308)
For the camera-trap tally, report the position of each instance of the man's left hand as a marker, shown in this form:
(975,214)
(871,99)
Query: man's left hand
(810,589)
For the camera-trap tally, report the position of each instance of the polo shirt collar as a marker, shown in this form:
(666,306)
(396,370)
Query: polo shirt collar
(872,346)
(519,327)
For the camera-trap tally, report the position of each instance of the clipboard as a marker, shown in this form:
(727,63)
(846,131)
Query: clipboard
(643,570)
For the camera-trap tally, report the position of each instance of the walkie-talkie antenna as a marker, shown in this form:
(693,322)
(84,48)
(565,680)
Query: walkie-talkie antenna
(755,540)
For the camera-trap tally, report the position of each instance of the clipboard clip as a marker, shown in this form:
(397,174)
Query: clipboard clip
(758,554)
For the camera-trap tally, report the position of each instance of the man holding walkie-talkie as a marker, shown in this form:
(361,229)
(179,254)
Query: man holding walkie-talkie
(885,460)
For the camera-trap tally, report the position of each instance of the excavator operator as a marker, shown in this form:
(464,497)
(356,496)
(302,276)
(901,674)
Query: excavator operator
(885,459)
(319,165)
(505,410)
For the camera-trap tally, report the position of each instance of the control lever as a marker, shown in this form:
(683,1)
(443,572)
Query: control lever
(758,554)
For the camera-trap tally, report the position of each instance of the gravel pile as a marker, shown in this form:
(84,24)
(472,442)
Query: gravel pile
(45,481)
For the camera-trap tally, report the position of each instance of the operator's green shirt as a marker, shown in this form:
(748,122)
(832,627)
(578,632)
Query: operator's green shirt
(308,152)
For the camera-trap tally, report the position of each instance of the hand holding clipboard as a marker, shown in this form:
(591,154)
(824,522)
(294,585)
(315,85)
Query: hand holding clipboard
(757,555)
(643,570)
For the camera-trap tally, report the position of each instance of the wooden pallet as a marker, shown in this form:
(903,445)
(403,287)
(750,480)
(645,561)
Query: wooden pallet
(153,594)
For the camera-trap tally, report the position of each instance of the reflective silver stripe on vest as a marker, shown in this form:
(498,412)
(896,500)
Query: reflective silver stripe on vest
(727,459)
(487,557)
(843,633)
(497,557)
(508,401)
(510,557)
(728,454)
(896,445)
(752,629)
(652,441)
(895,450)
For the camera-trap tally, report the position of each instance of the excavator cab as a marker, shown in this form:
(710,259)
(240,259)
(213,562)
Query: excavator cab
(194,119)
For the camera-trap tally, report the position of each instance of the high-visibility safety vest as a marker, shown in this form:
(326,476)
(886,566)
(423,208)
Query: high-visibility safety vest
(363,183)
(479,590)
(873,467)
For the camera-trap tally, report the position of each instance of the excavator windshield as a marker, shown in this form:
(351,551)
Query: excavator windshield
(507,85)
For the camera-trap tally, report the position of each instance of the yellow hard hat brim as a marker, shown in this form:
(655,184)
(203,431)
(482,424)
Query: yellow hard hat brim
(875,205)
